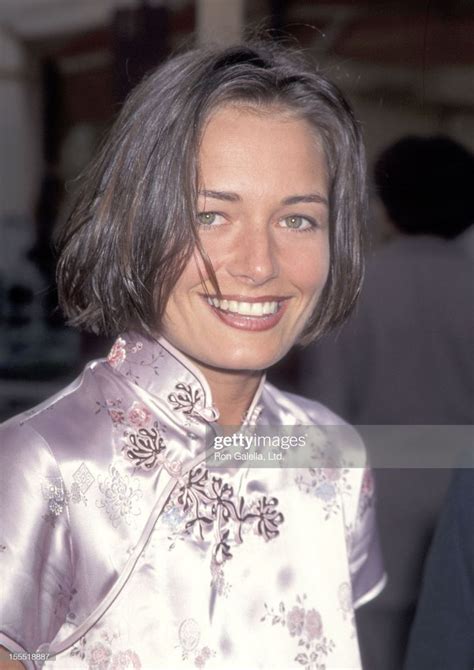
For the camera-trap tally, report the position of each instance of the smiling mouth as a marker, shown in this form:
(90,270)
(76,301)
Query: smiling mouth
(255,308)
(251,314)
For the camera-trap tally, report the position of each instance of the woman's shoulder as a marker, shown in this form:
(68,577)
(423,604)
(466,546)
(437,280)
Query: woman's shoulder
(292,409)
(58,420)
(27,441)
(303,407)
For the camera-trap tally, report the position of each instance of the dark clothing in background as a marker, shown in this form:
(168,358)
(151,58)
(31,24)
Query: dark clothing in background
(404,358)
(442,636)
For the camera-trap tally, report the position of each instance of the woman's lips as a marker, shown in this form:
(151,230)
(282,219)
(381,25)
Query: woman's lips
(252,323)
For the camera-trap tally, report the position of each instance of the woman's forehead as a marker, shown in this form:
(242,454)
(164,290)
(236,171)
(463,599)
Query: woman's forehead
(243,145)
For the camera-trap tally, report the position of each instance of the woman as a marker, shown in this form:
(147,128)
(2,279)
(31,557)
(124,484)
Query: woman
(218,226)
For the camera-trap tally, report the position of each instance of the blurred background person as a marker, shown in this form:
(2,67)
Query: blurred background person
(406,358)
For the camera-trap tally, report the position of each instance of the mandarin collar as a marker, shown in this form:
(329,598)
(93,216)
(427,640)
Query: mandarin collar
(158,368)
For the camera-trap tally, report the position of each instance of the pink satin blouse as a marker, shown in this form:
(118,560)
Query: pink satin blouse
(120,548)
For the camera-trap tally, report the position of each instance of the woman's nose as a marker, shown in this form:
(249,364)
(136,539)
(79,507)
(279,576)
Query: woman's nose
(254,256)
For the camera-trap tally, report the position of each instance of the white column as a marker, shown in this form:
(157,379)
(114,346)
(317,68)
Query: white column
(219,21)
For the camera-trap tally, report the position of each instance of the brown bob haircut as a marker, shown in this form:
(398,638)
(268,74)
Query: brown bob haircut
(134,225)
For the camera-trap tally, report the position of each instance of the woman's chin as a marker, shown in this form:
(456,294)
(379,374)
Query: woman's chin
(244,359)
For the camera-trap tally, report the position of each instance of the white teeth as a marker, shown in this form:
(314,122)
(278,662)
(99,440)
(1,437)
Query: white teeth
(245,308)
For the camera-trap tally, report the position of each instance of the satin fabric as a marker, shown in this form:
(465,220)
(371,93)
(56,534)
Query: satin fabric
(120,548)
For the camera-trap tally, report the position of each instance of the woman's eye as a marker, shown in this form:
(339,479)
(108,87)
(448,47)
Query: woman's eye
(298,223)
(208,218)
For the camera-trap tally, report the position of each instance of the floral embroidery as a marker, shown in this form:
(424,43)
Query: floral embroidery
(139,415)
(268,517)
(120,350)
(190,402)
(327,484)
(120,496)
(307,626)
(203,656)
(75,494)
(151,363)
(99,657)
(142,442)
(145,448)
(114,410)
(102,657)
(189,635)
(295,621)
(330,482)
(125,659)
(55,494)
(118,353)
(209,507)
(187,399)
(313,625)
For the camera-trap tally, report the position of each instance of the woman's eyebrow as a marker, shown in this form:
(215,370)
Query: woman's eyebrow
(291,200)
(308,197)
(221,195)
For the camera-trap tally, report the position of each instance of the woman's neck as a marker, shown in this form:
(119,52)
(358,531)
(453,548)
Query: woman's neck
(232,392)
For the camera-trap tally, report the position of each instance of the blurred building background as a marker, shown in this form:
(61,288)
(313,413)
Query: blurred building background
(65,67)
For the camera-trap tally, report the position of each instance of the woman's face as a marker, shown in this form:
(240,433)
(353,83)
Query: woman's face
(263,203)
